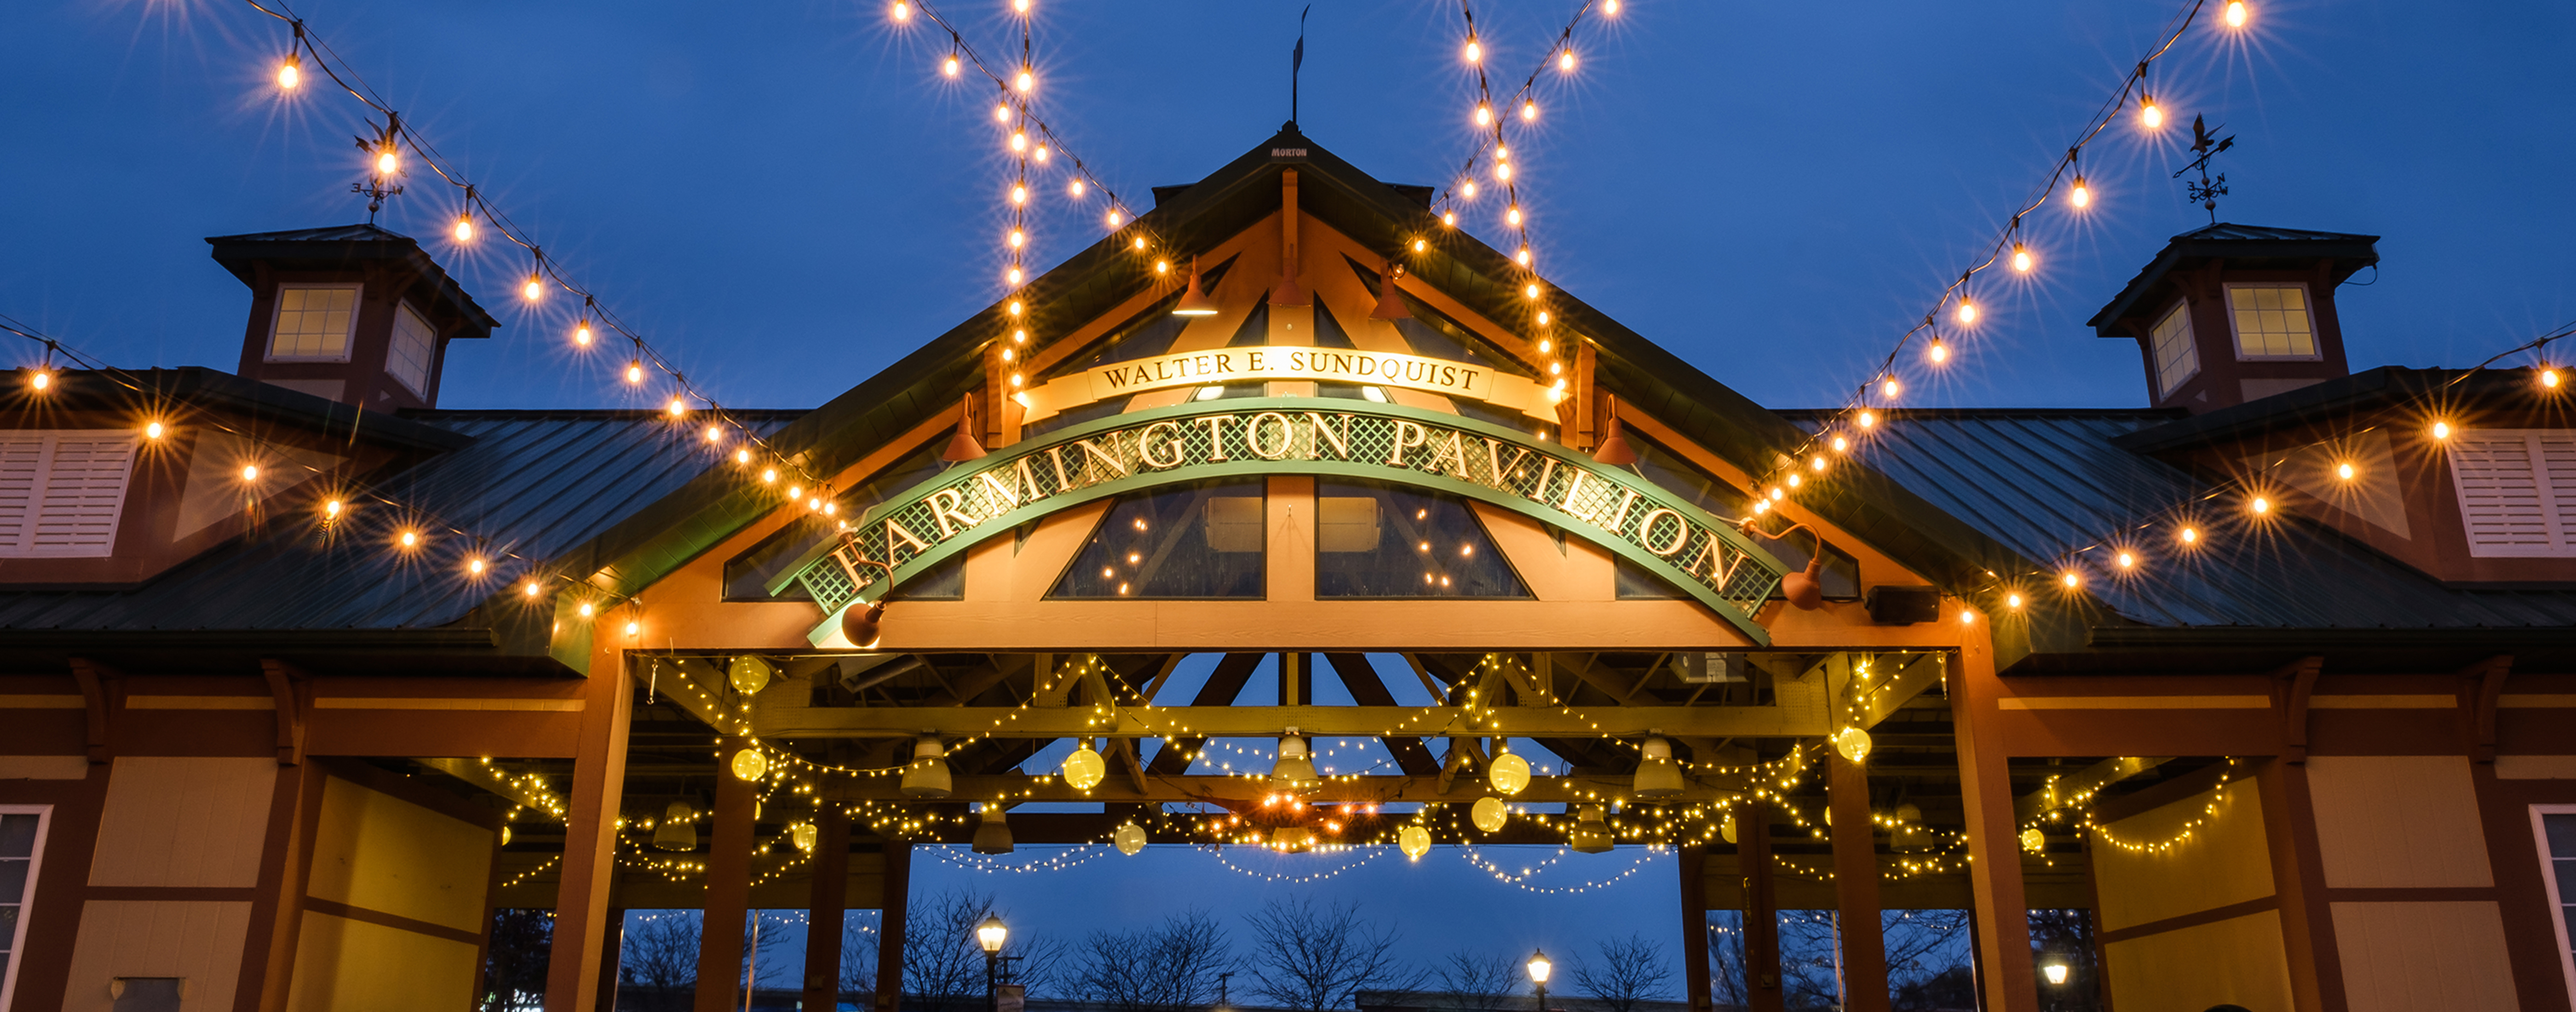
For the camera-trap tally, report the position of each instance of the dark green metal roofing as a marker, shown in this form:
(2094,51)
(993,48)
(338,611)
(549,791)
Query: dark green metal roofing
(2242,246)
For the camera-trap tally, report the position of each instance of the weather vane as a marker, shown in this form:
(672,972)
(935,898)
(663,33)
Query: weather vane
(385,151)
(2206,191)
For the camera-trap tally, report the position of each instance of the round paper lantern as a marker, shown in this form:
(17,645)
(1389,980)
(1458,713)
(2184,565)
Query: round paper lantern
(1414,841)
(1726,829)
(2033,840)
(1084,769)
(750,764)
(1853,743)
(1129,839)
(1510,774)
(1488,814)
(803,833)
(749,674)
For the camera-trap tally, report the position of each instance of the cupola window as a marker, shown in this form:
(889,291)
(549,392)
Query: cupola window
(2176,357)
(415,341)
(313,323)
(2272,321)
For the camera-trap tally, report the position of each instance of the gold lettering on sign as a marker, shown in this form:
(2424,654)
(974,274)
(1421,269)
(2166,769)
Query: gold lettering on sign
(1215,425)
(1431,375)
(1324,433)
(1403,442)
(1646,532)
(946,504)
(1443,455)
(1494,458)
(1023,480)
(1252,436)
(1110,460)
(1056,453)
(1145,445)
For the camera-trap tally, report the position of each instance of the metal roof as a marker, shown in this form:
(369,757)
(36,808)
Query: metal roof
(2054,485)
(2260,247)
(335,247)
(535,484)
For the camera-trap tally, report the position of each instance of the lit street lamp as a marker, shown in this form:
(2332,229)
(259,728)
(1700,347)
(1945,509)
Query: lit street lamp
(990,935)
(1538,968)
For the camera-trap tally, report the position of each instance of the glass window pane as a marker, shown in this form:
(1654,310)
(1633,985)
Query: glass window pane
(17,835)
(1374,540)
(2272,321)
(408,359)
(1636,584)
(13,880)
(2561,828)
(1195,541)
(313,321)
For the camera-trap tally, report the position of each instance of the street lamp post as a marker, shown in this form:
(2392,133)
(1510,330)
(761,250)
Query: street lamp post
(1538,970)
(989,935)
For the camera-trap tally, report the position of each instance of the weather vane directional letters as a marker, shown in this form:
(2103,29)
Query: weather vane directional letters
(2207,190)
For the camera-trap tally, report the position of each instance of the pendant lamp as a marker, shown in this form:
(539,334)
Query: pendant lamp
(679,828)
(1194,299)
(1129,838)
(1509,774)
(1488,814)
(1658,776)
(1084,769)
(1414,841)
(964,446)
(1390,303)
(993,835)
(1294,772)
(1614,448)
(927,775)
(1591,831)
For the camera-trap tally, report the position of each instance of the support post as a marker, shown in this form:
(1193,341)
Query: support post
(2298,881)
(590,837)
(609,956)
(893,900)
(1761,910)
(1855,839)
(1694,872)
(1994,849)
(830,903)
(728,899)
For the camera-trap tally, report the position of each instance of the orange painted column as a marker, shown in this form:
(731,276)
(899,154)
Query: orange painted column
(1994,847)
(1855,839)
(2298,881)
(829,905)
(894,901)
(1761,909)
(728,899)
(590,837)
(1694,874)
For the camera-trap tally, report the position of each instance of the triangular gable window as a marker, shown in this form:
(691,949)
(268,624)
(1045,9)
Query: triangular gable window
(1374,540)
(1199,541)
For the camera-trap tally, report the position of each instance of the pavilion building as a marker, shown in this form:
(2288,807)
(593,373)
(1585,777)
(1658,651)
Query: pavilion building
(302,676)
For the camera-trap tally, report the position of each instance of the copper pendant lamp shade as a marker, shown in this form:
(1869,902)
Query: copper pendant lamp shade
(1390,303)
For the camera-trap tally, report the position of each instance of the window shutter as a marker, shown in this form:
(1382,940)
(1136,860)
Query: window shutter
(2517,490)
(62,492)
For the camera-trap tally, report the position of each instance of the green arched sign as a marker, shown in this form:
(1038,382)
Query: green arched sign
(1615,509)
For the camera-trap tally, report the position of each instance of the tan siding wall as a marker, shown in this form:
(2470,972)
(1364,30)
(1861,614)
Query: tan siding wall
(377,852)
(2398,822)
(183,822)
(346,964)
(2238,961)
(2399,957)
(2226,861)
(44,767)
(198,941)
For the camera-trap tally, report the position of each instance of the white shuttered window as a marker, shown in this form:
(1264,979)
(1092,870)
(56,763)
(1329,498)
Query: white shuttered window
(62,491)
(2517,490)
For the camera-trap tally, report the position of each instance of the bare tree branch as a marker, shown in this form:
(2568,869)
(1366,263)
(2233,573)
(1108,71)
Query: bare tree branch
(1313,959)
(1624,973)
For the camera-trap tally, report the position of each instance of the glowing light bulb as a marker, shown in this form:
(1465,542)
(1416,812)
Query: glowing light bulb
(1542,317)
(2150,115)
(1019,140)
(1001,112)
(153,430)
(1841,445)
(1512,215)
(1475,52)
(1866,418)
(2021,258)
(1529,112)
(1115,219)
(581,334)
(2235,13)
(530,589)
(2072,579)
(1074,189)
(714,434)
(1611,8)
(1025,81)
(40,380)
(950,66)
(1503,171)
(1484,114)
(677,407)
(331,510)
(1891,388)
(1565,61)
(1938,352)
(1449,218)
(387,161)
(289,74)
(1040,154)
(1523,256)
(535,288)
(635,371)
(410,539)
(464,230)
(2261,505)
(1017,238)
(742,456)
(474,566)
(1468,191)
(2549,378)
(1021,6)
(2082,195)
(1546,346)
(902,11)
(2012,601)
(2344,471)
(1019,193)
(2128,561)
(1420,244)
(2441,430)
(2190,535)
(250,472)
(1967,311)
(1162,266)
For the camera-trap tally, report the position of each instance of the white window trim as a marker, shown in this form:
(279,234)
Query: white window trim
(348,341)
(2190,345)
(26,901)
(429,357)
(2316,339)
(2548,881)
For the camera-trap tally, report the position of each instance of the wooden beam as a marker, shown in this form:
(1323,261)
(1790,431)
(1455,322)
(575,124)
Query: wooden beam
(792,721)
(1885,693)
(1250,791)
(1223,684)
(2065,790)
(494,779)
(1368,689)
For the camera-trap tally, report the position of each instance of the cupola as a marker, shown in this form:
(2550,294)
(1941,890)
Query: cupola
(2235,313)
(355,314)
